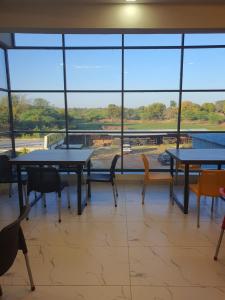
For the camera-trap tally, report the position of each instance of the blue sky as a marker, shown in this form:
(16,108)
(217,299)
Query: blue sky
(101,69)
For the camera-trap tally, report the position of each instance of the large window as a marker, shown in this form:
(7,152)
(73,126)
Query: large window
(114,93)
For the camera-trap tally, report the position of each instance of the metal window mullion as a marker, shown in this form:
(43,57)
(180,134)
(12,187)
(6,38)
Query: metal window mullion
(65,89)
(10,105)
(122,103)
(180,91)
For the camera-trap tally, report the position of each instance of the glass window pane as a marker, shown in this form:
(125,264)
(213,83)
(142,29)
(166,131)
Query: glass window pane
(3,80)
(4,112)
(150,111)
(92,40)
(152,39)
(153,145)
(33,39)
(204,39)
(93,69)
(204,69)
(94,111)
(27,142)
(36,69)
(203,111)
(152,69)
(38,111)
(5,144)
(105,147)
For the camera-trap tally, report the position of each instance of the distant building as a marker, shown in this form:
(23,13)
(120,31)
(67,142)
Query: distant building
(207,140)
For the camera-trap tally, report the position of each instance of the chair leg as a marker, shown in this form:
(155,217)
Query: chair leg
(212,205)
(68,195)
(219,243)
(1,293)
(114,195)
(10,190)
(116,188)
(44,200)
(59,207)
(143,193)
(171,193)
(198,211)
(27,203)
(32,286)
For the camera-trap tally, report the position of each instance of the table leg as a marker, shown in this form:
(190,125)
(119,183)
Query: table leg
(171,165)
(20,188)
(186,188)
(88,173)
(219,167)
(79,190)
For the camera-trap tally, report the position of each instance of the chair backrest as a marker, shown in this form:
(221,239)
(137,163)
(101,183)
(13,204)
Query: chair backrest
(5,168)
(146,164)
(12,240)
(113,165)
(210,182)
(43,180)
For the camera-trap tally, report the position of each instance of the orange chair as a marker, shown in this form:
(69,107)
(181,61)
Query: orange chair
(154,177)
(222,193)
(209,183)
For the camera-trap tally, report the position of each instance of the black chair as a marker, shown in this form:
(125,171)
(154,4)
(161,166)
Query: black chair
(101,177)
(11,240)
(8,175)
(46,180)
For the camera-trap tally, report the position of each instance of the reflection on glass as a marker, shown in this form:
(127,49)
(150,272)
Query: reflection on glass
(38,40)
(150,111)
(36,69)
(152,69)
(105,147)
(93,69)
(92,40)
(38,111)
(94,111)
(153,145)
(152,39)
(204,69)
(4,112)
(3,80)
(204,39)
(203,111)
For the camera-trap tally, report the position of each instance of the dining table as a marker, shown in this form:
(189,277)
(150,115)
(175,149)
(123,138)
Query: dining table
(75,160)
(193,157)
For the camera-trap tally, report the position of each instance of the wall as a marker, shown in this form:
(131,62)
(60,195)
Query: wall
(34,16)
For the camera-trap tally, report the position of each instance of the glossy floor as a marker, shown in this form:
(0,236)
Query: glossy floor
(129,252)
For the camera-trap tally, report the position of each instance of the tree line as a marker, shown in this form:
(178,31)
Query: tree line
(39,114)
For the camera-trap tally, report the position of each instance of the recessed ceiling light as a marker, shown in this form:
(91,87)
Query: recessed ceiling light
(130,0)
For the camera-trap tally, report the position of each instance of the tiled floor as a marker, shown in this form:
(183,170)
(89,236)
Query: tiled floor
(129,252)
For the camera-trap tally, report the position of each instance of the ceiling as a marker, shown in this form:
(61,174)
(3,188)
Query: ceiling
(121,1)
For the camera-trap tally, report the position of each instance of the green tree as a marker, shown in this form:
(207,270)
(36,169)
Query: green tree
(155,111)
(114,111)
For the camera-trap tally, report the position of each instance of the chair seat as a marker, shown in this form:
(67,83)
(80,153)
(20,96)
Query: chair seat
(157,176)
(99,177)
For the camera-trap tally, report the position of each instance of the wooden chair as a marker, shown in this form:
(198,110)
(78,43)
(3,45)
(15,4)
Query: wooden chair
(209,183)
(155,177)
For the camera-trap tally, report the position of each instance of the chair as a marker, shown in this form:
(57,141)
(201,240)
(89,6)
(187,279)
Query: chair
(46,180)
(154,177)
(220,239)
(181,167)
(100,177)
(209,183)
(11,240)
(7,174)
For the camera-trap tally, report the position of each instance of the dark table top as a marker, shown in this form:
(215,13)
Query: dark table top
(54,157)
(198,156)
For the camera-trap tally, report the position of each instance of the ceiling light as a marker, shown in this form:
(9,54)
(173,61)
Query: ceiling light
(130,0)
